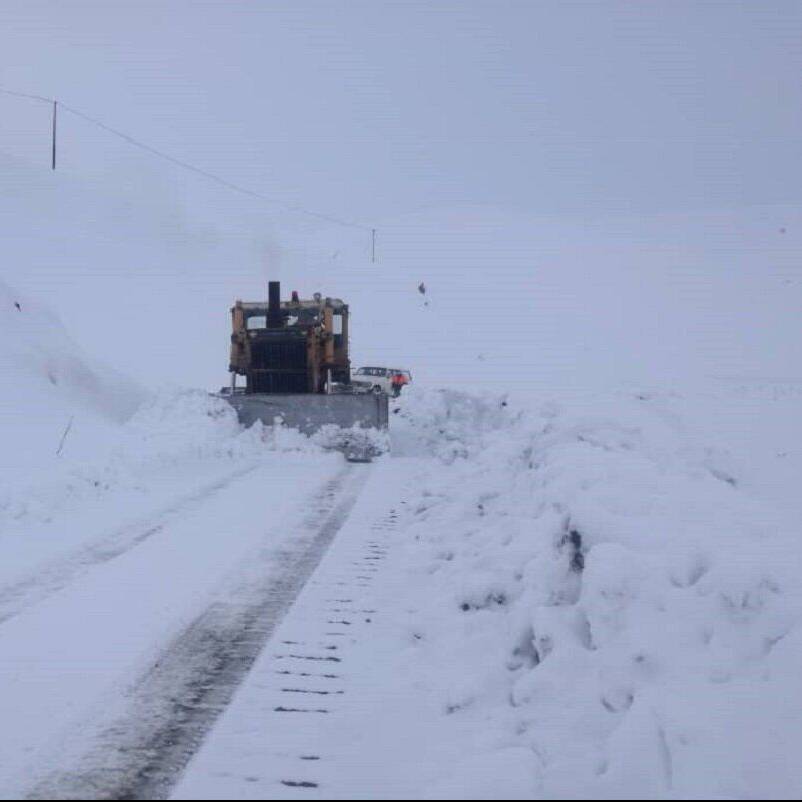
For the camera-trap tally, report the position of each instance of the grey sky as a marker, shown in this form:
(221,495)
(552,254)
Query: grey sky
(373,109)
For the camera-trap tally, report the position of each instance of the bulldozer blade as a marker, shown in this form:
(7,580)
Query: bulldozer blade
(310,412)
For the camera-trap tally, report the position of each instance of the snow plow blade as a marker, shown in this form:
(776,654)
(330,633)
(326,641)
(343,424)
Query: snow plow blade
(309,412)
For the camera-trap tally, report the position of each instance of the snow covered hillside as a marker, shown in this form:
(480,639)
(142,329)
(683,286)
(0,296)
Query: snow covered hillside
(48,381)
(122,262)
(524,301)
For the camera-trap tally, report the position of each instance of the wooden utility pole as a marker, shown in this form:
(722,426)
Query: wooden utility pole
(55,115)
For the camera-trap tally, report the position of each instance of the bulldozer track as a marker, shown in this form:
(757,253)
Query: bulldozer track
(172,707)
(296,728)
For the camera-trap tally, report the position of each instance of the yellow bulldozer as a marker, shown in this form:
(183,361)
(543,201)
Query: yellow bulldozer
(294,357)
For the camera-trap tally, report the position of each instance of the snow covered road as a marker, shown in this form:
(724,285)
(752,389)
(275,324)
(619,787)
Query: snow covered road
(317,716)
(56,574)
(115,664)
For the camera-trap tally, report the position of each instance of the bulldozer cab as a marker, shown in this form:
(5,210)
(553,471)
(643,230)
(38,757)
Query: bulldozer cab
(290,347)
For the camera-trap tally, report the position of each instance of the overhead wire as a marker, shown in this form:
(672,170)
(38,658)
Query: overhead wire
(224,182)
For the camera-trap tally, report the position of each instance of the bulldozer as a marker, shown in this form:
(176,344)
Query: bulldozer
(294,357)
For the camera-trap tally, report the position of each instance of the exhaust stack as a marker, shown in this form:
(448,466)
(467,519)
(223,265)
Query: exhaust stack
(275,320)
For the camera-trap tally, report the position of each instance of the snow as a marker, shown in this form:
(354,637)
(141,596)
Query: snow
(629,613)
(591,587)
(586,591)
(585,533)
(48,379)
(89,457)
(71,658)
(578,599)
(520,301)
(113,544)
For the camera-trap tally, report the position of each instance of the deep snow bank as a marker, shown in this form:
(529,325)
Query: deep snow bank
(47,381)
(175,451)
(175,439)
(590,586)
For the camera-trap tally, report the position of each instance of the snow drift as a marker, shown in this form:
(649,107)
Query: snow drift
(47,381)
(624,614)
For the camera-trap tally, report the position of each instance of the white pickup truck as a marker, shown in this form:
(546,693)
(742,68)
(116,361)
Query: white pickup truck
(380,380)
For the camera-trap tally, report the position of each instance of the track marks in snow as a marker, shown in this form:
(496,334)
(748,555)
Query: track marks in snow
(173,706)
(282,738)
(356,616)
(55,576)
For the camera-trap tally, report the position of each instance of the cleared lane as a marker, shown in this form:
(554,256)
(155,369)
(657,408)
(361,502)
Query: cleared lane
(71,666)
(171,708)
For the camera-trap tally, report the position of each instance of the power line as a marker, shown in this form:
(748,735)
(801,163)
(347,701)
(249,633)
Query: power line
(206,174)
(26,95)
(186,165)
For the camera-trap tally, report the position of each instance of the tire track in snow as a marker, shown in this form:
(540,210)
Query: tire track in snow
(54,576)
(174,705)
(300,727)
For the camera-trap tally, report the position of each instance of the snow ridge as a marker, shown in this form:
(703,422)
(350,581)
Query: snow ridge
(627,613)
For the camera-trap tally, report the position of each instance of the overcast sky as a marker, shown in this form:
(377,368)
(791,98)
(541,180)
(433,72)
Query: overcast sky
(371,109)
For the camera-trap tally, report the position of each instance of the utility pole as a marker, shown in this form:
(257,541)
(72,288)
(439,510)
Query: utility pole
(55,115)
(373,245)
